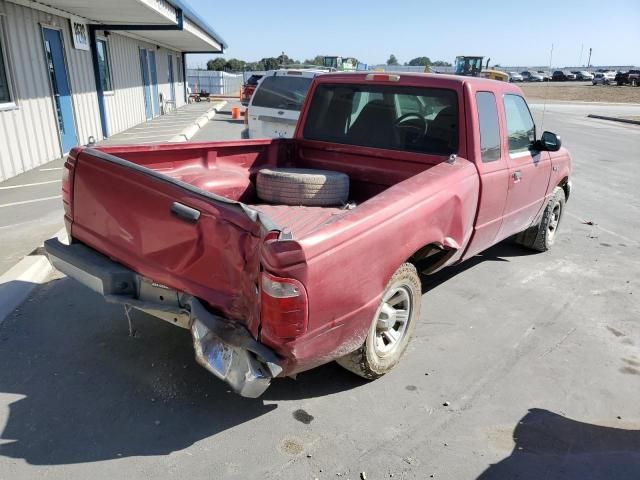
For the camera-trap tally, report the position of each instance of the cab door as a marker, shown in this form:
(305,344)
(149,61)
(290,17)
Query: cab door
(489,152)
(529,169)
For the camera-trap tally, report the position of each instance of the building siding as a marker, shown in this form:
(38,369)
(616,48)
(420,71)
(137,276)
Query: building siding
(125,105)
(28,133)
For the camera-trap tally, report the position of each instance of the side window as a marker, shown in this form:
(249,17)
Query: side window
(103,66)
(5,90)
(520,127)
(489,128)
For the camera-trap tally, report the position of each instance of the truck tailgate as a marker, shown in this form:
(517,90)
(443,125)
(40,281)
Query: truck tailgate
(170,232)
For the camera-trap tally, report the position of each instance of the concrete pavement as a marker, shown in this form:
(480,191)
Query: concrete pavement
(536,356)
(222,126)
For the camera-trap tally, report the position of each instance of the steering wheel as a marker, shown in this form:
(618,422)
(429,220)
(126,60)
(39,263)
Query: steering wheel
(419,127)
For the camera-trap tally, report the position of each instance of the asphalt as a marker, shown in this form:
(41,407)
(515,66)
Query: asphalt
(222,126)
(523,366)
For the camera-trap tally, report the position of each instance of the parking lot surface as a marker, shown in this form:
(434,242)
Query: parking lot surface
(523,366)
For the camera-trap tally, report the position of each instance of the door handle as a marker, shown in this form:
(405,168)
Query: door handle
(517,176)
(185,213)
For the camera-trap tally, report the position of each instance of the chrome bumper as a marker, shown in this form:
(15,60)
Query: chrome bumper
(223,347)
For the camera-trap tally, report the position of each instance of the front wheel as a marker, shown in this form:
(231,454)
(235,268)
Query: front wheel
(542,236)
(391,328)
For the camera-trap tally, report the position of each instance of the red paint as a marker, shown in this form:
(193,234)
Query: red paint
(340,260)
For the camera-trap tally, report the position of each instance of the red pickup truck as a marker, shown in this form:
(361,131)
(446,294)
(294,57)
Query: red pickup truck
(257,247)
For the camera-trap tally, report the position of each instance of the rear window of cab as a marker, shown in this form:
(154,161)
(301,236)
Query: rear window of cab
(414,119)
(283,92)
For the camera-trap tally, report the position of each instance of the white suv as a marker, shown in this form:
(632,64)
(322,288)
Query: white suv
(275,105)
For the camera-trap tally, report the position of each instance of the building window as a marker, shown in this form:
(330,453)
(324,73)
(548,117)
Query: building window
(489,129)
(5,88)
(103,66)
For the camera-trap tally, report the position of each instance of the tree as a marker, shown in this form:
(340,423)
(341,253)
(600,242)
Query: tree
(270,63)
(234,65)
(216,64)
(392,60)
(440,63)
(420,62)
(317,60)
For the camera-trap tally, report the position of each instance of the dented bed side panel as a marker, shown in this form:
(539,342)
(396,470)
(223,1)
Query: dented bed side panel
(346,265)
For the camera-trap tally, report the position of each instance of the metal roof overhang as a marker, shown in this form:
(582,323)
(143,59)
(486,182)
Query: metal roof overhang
(169,23)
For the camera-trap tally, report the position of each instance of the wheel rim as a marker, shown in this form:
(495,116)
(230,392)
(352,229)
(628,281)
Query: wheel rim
(555,220)
(392,320)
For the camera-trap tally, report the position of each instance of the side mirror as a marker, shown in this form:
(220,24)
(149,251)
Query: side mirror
(549,142)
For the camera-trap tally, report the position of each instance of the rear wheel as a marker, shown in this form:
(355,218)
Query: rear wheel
(392,326)
(542,236)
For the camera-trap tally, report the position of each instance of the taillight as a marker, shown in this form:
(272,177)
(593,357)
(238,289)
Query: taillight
(283,307)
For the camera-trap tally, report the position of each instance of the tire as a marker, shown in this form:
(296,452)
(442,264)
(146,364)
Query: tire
(634,82)
(376,357)
(299,186)
(542,236)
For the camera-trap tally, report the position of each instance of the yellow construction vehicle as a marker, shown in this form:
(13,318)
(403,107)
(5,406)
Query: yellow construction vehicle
(471,66)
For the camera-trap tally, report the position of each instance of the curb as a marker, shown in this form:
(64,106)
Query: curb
(17,283)
(200,122)
(614,119)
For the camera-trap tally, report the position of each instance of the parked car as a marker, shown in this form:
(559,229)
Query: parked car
(584,75)
(600,78)
(275,105)
(515,77)
(628,78)
(561,76)
(248,88)
(632,77)
(280,255)
(546,76)
(531,76)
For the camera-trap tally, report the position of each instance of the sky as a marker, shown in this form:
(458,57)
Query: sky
(516,33)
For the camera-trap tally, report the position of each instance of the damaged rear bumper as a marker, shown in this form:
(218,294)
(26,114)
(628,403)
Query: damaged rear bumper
(222,346)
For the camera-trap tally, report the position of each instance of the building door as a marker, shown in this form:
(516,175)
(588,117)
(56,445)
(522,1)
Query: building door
(172,86)
(144,66)
(154,83)
(57,68)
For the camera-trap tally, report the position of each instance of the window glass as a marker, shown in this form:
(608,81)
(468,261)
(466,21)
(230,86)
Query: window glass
(520,127)
(254,79)
(282,92)
(103,66)
(5,94)
(414,119)
(489,128)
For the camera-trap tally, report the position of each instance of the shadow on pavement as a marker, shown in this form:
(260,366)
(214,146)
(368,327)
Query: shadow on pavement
(81,390)
(550,446)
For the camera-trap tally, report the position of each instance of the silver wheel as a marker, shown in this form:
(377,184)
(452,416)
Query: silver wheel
(555,220)
(393,319)
(391,326)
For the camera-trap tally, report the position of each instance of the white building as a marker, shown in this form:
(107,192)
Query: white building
(75,69)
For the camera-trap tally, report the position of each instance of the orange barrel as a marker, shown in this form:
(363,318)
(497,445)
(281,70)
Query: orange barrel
(235,113)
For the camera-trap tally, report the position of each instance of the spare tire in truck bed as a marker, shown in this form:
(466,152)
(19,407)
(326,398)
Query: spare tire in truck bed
(302,186)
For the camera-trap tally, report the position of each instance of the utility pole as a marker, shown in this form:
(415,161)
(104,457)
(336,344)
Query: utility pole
(589,61)
(580,59)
